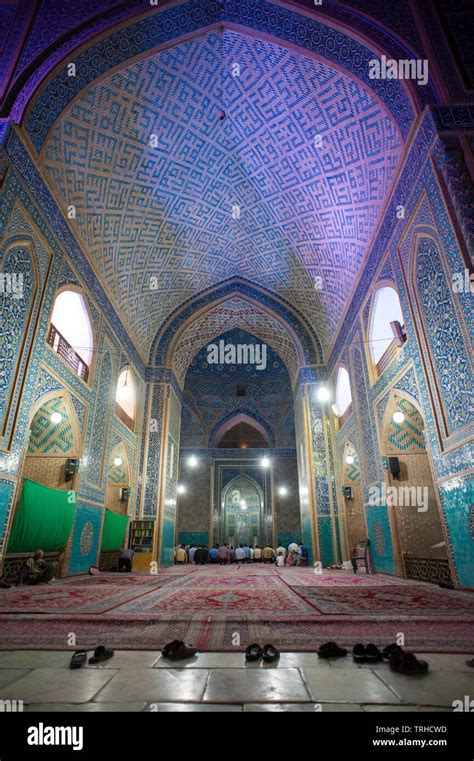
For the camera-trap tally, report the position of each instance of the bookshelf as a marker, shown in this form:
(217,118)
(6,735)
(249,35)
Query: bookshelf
(141,541)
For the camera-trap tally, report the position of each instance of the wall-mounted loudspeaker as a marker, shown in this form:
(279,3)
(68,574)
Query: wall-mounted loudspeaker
(394,466)
(399,332)
(347,492)
(124,494)
(71,469)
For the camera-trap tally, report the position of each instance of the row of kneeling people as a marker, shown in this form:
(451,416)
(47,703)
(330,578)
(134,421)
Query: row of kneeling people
(294,554)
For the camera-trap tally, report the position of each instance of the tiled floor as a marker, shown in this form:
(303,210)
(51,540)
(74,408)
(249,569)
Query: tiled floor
(144,681)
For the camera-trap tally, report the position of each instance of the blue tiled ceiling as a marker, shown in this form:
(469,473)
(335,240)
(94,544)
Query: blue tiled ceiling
(165,212)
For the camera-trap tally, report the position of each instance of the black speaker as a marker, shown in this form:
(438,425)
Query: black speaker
(71,469)
(347,492)
(124,494)
(394,466)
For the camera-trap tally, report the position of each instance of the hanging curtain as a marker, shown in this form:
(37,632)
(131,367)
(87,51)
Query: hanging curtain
(43,519)
(113,533)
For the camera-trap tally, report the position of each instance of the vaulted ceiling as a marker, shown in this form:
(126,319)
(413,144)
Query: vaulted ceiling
(276,172)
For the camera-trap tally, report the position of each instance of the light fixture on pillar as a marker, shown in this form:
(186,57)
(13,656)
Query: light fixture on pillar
(398,417)
(323,394)
(56,418)
(282,491)
(192,461)
(350,459)
(118,461)
(243,505)
(181,489)
(265,462)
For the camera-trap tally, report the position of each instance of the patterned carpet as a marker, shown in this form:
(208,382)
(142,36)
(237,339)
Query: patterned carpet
(295,609)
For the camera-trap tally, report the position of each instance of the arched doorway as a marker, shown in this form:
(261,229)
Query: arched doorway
(411,495)
(241,519)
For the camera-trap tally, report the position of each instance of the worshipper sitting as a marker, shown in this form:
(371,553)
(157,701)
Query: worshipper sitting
(240,554)
(247,553)
(214,554)
(268,554)
(281,551)
(292,557)
(293,547)
(302,557)
(232,555)
(223,554)
(201,555)
(257,554)
(125,560)
(191,552)
(280,560)
(181,555)
(36,570)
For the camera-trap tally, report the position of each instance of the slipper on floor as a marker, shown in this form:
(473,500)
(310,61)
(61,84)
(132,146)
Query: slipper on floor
(182,651)
(331,650)
(408,664)
(101,653)
(78,659)
(358,653)
(470,663)
(270,653)
(372,653)
(171,646)
(253,653)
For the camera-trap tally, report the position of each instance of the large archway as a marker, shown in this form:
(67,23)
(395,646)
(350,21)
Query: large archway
(411,494)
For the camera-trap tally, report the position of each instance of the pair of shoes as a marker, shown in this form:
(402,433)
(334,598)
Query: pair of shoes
(79,658)
(366,654)
(331,650)
(177,650)
(268,653)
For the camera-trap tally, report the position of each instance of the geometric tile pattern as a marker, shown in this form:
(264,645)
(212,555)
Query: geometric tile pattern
(15,310)
(407,436)
(210,400)
(448,351)
(235,312)
(304,211)
(47,438)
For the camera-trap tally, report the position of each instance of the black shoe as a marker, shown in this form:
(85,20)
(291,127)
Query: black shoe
(270,653)
(171,646)
(253,653)
(181,652)
(358,653)
(372,653)
(78,659)
(387,651)
(101,653)
(408,664)
(331,650)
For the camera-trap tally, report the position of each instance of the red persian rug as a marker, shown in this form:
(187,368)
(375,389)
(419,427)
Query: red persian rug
(227,608)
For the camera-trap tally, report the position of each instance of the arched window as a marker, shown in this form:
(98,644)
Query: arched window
(126,397)
(386,309)
(343,392)
(70,332)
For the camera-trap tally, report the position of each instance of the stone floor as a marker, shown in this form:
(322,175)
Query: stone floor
(144,681)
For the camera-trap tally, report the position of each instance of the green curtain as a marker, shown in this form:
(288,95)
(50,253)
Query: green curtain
(43,519)
(114,530)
